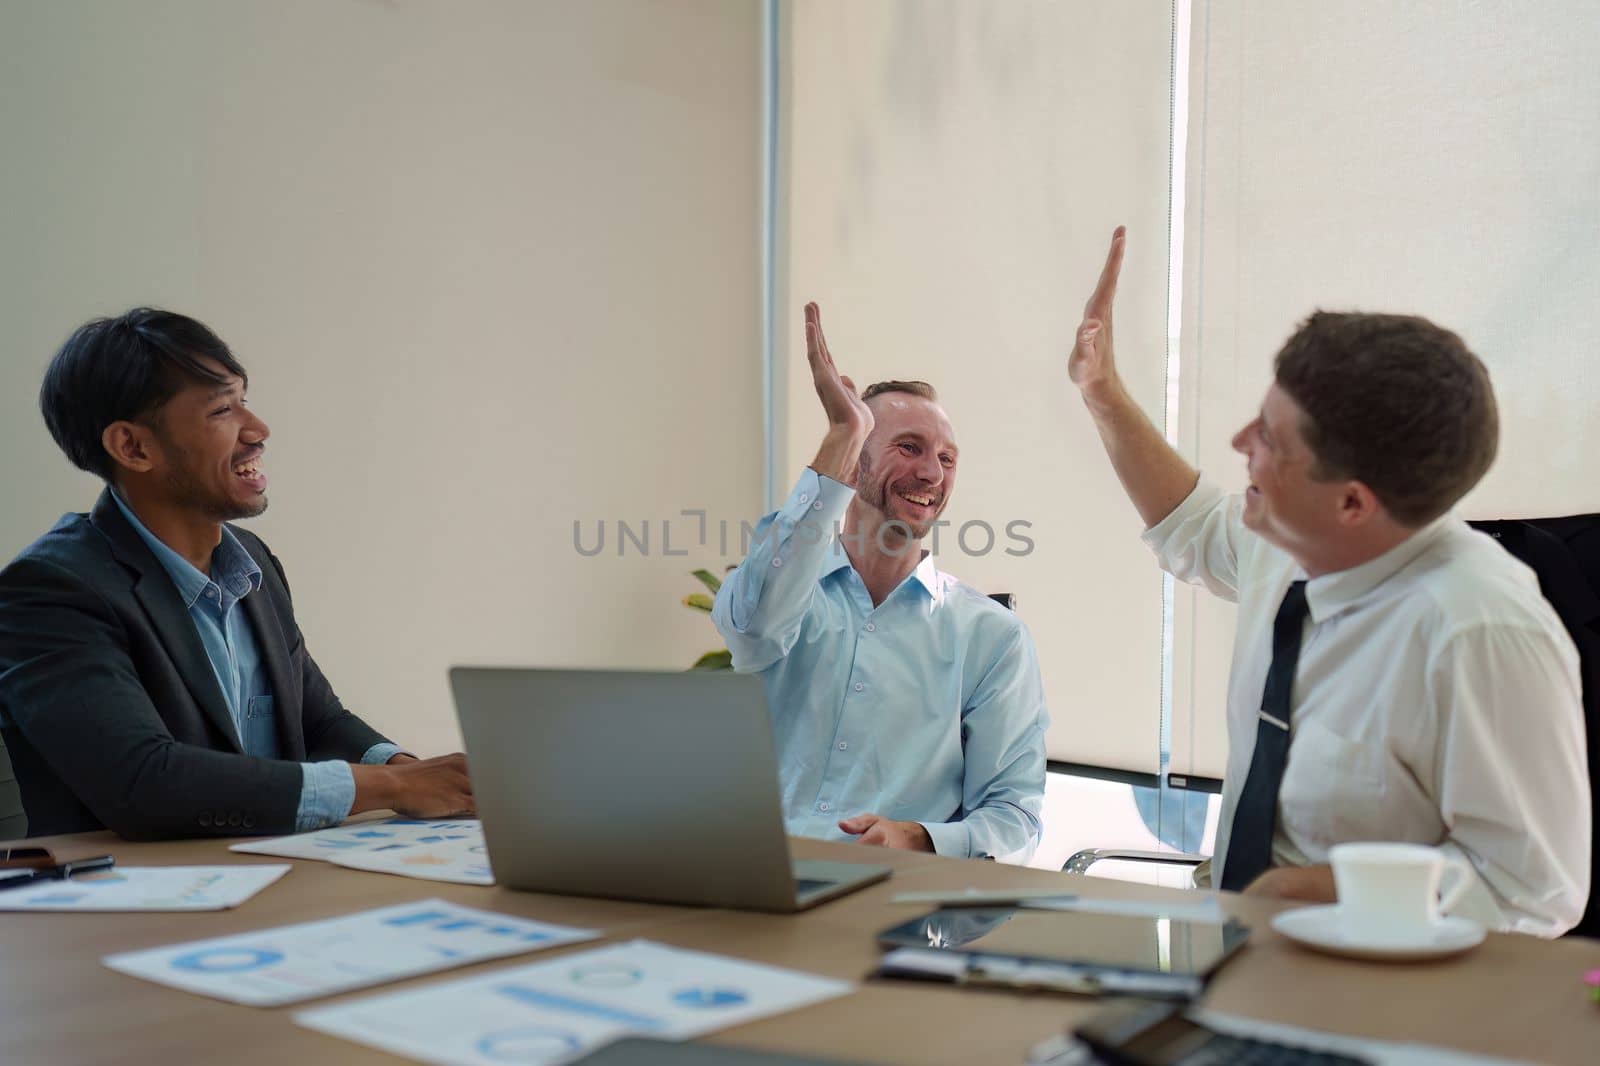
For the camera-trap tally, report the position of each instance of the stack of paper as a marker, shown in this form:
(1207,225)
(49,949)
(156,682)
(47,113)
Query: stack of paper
(299,962)
(555,1011)
(450,851)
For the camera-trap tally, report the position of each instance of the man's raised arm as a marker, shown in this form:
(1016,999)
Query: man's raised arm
(1155,477)
(760,607)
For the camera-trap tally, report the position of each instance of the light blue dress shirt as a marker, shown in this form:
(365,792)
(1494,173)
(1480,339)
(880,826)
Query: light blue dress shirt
(327,789)
(927,708)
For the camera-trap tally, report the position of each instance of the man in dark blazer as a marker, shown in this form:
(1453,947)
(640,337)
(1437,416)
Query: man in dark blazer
(152,677)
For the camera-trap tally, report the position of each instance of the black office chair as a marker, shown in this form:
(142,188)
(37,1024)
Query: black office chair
(13,820)
(1565,554)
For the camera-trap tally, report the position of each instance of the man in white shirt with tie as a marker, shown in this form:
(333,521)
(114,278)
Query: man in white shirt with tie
(1396,675)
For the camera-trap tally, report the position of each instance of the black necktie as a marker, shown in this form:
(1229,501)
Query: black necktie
(1250,843)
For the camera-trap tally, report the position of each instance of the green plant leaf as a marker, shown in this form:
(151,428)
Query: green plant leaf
(698,600)
(709,580)
(722,659)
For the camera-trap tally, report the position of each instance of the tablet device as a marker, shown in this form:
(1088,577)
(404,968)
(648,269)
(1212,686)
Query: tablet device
(1132,944)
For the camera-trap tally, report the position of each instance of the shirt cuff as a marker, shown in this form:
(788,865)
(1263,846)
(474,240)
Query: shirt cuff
(950,839)
(379,754)
(327,792)
(1201,499)
(817,498)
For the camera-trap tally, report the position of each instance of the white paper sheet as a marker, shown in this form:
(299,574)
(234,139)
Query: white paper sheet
(293,963)
(554,1011)
(461,862)
(450,851)
(147,888)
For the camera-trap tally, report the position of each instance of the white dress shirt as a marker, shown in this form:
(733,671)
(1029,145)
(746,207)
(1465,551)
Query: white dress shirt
(1437,701)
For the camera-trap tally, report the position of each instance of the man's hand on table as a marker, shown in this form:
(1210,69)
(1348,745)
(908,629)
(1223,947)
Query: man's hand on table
(416,788)
(1312,884)
(886,833)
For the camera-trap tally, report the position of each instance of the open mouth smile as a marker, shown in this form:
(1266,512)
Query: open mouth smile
(250,473)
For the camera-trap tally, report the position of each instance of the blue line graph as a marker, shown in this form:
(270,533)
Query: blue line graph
(709,997)
(535,997)
(417,918)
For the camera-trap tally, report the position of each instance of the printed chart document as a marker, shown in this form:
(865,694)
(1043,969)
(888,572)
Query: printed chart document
(300,962)
(450,851)
(147,888)
(555,1011)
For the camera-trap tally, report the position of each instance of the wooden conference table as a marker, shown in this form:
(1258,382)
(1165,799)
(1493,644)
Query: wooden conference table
(1512,996)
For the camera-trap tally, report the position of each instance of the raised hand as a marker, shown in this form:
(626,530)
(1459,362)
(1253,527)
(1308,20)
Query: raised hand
(849,417)
(1090,366)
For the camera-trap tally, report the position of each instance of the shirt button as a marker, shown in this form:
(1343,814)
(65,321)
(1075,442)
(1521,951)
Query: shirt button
(843,745)
(859,686)
(817,506)
(805,497)
(824,808)
(871,628)
(777,562)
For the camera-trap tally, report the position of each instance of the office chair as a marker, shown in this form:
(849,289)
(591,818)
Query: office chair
(13,820)
(1087,858)
(1564,553)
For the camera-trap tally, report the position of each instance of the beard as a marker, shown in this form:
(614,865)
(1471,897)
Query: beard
(876,494)
(193,492)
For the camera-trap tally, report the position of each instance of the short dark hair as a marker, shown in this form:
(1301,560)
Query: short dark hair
(1395,402)
(915,388)
(124,369)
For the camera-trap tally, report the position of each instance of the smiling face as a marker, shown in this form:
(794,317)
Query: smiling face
(207,449)
(1285,504)
(908,465)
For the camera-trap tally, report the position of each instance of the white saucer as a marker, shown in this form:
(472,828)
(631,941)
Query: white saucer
(1320,928)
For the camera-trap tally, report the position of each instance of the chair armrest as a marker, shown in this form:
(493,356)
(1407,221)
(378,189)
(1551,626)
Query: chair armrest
(1080,862)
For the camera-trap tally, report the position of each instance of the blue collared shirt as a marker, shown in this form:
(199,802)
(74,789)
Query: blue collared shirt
(927,708)
(327,789)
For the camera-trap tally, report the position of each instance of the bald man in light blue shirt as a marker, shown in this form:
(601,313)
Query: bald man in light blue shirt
(907,707)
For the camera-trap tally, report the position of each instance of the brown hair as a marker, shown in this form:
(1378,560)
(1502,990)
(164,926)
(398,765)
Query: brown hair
(915,388)
(1394,402)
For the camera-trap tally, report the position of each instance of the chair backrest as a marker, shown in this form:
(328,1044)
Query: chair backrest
(13,820)
(1565,554)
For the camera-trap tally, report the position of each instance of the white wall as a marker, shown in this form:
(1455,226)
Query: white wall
(952,174)
(492,266)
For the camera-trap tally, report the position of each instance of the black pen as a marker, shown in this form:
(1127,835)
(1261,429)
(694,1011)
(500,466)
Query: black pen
(59,872)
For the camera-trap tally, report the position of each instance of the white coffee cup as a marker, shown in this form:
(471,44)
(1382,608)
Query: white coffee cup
(1392,890)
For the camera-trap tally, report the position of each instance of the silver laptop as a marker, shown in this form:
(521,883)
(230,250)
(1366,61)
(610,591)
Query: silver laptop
(634,785)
